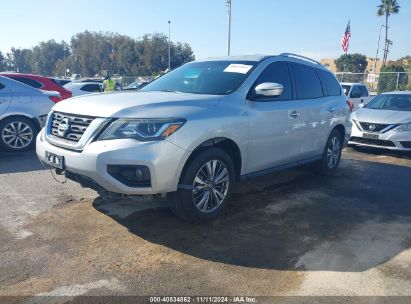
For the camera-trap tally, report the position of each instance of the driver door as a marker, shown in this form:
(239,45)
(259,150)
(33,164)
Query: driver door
(275,123)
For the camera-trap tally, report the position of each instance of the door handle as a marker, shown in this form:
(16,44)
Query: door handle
(332,110)
(294,114)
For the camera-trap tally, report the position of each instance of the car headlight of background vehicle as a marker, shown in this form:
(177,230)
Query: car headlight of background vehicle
(142,129)
(404,127)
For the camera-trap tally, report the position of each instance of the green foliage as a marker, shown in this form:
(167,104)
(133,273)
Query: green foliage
(91,52)
(388,82)
(3,62)
(354,63)
(388,7)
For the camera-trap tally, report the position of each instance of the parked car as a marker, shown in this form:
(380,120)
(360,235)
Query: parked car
(137,85)
(385,122)
(40,82)
(82,88)
(192,133)
(62,82)
(23,112)
(357,93)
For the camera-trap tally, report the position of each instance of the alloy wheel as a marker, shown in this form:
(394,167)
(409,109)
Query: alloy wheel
(210,186)
(333,152)
(17,135)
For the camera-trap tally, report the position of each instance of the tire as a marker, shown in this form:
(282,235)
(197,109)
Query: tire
(332,154)
(203,198)
(17,134)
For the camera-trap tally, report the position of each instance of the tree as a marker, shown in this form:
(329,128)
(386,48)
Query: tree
(46,56)
(354,63)
(388,82)
(19,60)
(387,8)
(3,63)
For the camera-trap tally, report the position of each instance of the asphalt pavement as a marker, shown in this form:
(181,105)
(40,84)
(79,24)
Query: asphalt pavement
(292,233)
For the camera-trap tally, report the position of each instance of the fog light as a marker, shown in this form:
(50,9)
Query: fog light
(131,176)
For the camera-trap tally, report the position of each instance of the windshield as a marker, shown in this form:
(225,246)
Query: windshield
(396,102)
(209,77)
(346,89)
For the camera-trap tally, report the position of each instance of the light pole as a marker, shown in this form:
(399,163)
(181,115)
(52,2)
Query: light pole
(169,45)
(228,4)
(378,49)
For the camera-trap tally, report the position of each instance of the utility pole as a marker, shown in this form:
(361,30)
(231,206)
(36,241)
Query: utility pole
(169,45)
(64,60)
(228,4)
(378,49)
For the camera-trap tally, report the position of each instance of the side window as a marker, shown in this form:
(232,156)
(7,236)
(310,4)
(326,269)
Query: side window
(307,83)
(277,72)
(29,82)
(91,88)
(356,92)
(1,86)
(330,84)
(364,91)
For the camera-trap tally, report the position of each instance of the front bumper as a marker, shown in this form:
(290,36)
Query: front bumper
(392,140)
(164,159)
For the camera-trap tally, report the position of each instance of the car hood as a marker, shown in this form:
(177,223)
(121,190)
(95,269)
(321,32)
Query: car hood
(381,116)
(136,104)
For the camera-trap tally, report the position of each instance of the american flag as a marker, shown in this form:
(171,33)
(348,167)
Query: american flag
(345,41)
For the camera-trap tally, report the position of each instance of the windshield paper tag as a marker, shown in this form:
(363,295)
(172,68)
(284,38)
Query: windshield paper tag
(238,68)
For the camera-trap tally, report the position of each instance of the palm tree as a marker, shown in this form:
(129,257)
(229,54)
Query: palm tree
(387,8)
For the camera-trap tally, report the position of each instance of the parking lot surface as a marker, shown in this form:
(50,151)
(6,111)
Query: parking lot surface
(290,233)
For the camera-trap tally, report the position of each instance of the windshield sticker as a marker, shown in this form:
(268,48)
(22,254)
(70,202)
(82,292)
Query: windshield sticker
(238,68)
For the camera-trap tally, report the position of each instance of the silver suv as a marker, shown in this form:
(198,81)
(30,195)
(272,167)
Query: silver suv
(192,133)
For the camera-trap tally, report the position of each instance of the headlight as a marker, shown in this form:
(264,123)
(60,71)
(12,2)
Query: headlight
(404,127)
(142,129)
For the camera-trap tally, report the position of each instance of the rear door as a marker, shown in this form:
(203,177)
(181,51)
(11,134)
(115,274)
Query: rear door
(5,97)
(309,104)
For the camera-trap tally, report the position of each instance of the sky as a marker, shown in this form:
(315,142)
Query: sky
(313,28)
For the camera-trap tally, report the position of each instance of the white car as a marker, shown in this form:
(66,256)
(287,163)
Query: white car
(357,94)
(23,111)
(83,88)
(192,133)
(385,122)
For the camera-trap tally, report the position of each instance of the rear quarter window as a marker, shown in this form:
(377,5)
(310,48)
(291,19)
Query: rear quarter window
(29,82)
(307,82)
(330,83)
(91,88)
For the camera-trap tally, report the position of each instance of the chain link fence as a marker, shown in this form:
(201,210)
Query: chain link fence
(379,82)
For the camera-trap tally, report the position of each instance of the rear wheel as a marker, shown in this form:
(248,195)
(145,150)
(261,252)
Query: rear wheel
(207,183)
(17,134)
(332,154)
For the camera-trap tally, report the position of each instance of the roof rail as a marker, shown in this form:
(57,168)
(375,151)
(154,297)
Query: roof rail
(300,57)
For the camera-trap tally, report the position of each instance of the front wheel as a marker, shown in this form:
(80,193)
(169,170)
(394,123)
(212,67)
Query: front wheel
(17,134)
(332,154)
(206,186)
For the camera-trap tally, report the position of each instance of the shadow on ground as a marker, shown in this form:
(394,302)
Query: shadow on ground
(15,162)
(353,221)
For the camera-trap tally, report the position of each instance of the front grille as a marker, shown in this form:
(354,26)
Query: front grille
(406,144)
(76,126)
(373,127)
(373,142)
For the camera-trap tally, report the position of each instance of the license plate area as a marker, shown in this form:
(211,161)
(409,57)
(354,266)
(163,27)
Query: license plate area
(370,136)
(54,160)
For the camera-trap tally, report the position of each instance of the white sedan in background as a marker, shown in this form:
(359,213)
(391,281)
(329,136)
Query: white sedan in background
(385,122)
(83,88)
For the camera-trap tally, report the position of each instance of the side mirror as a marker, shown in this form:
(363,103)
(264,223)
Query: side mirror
(269,89)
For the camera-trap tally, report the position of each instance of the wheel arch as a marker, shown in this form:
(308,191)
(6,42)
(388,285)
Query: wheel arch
(32,119)
(226,144)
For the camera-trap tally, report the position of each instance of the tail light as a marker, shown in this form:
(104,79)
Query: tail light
(350,105)
(55,99)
